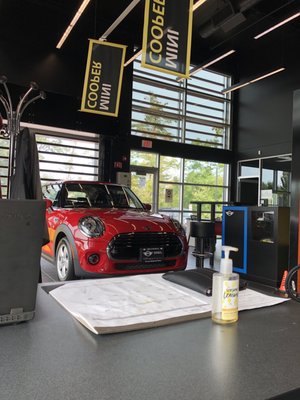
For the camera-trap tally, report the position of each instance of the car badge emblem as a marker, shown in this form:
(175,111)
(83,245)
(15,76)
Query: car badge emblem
(229,213)
(147,228)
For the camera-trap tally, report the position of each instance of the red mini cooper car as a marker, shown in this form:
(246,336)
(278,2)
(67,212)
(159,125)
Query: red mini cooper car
(98,229)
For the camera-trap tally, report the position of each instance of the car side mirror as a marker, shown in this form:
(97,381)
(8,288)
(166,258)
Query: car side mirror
(147,206)
(49,203)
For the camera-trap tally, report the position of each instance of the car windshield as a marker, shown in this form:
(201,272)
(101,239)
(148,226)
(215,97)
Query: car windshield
(95,195)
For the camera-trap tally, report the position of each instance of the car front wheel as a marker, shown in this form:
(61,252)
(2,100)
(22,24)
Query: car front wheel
(64,261)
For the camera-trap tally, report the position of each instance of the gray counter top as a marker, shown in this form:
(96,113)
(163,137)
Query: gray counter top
(55,357)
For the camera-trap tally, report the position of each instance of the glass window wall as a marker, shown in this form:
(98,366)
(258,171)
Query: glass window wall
(181,181)
(192,111)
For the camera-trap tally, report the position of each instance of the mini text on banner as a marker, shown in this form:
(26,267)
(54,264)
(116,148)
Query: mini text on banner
(167,36)
(103,78)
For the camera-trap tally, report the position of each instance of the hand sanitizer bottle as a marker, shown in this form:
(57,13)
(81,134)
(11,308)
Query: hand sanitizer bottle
(225,290)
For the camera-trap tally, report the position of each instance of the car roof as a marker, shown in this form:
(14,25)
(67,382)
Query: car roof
(82,181)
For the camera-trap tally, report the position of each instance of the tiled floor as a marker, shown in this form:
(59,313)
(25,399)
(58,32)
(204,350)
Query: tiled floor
(49,273)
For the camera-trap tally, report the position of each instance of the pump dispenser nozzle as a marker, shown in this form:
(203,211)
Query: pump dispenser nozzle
(226,262)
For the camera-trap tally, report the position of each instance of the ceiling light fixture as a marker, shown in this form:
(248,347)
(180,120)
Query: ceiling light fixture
(278,25)
(198,4)
(73,22)
(207,64)
(119,19)
(136,55)
(240,85)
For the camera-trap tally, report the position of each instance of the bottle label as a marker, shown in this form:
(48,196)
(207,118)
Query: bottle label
(230,299)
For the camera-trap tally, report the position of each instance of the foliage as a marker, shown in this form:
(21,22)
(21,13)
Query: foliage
(154,123)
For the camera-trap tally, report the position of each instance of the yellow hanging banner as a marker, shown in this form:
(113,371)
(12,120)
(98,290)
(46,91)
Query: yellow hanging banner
(167,36)
(103,78)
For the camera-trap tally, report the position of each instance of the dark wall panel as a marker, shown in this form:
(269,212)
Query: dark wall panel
(28,53)
(265,118)
(265,108)
(61,78)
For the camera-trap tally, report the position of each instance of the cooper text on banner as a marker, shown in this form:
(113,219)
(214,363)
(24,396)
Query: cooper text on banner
(103,78)
(167,36)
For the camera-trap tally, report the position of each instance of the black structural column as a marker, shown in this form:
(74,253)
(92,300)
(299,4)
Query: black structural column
(295,195)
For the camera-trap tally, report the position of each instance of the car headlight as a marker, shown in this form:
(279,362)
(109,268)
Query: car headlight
(177,225)
(91,226)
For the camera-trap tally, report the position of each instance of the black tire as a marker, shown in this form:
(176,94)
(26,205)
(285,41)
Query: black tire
(64,261)
(291,283)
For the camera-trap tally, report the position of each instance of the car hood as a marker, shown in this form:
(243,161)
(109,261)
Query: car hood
(123,221)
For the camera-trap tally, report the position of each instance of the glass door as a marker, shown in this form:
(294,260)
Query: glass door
(144,183)
(265,181)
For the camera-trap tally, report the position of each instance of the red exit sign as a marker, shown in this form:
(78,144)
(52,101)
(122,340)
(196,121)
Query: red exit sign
(147,144)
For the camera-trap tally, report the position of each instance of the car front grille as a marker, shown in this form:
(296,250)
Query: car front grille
(127,246)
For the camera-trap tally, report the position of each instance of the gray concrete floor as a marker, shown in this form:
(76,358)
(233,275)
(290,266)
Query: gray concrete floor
(49,272)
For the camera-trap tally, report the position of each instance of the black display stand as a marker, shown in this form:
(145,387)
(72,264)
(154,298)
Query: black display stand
(262,235)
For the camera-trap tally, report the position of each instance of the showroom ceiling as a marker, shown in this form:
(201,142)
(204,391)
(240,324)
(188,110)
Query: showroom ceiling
(218,25)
